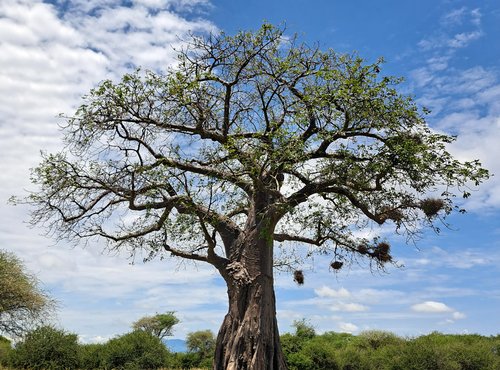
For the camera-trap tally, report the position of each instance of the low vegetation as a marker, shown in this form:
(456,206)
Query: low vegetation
(53,349)
(378,350)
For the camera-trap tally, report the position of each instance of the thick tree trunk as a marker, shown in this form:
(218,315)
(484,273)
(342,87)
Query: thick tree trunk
(249,338)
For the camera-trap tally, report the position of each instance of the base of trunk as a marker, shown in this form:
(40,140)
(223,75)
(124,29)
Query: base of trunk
(249,338)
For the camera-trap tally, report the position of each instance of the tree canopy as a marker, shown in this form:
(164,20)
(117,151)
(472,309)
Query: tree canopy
(22,302)
(250,140)
(201,342)
(159,325)
(167,162)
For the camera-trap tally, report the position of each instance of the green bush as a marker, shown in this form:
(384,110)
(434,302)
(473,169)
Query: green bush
(378,350)
(375,339)
(470,352)
(299,361)
(92,356)
(448,352)
(5,350)
(46,348)
(322,353)
(135,350)
(291,344)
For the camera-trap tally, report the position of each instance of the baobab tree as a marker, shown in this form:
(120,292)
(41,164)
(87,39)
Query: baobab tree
(249,140)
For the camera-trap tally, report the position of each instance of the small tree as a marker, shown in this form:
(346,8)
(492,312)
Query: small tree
(201,342)
(22,302)
(159,325)
(250,140)
(303,329)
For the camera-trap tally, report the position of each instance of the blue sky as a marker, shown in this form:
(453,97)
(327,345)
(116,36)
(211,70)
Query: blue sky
(53,52)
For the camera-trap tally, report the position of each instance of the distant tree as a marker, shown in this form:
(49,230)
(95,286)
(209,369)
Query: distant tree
(201,342)
(303,329)
(249,140)
(159,325)
(22,302)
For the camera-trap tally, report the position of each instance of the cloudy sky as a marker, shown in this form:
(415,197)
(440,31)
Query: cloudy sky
(53,52)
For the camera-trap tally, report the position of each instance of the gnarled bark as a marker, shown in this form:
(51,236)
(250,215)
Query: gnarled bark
(249,338)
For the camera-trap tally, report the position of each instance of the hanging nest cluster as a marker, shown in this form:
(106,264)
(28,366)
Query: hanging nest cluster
(363,249)
(393,214)
(298,277)
(380,251)
(431,206)
(337,265)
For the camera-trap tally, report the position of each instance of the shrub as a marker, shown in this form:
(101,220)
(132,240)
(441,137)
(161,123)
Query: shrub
(299,361)
(338,340)
(321,352)
(92,356)
(290,343)
(5,350)
(375,339)
(135,350)
(46,348)
(352,358)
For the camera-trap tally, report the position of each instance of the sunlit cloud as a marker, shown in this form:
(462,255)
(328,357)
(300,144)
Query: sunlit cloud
(431,307)
(347,327)
(325,291)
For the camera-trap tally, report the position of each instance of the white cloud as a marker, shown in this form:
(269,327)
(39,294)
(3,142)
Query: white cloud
(380,296)
(463,39)
(466,259)
(476,16)
(348,307)
(458,315)
(438,63)
(48,60)
(347,327)
(431,307)
(456,16)
(325,291)
(458,29)
(466,103)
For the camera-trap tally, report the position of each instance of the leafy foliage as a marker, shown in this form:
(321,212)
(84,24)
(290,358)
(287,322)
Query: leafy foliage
(159,325)
(46,348)
(92,356)
(22,302)
(49,348)
(201,343)
(322,140)
(135,350)
(374,350)
(303,329)
(5,350)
